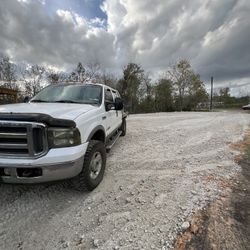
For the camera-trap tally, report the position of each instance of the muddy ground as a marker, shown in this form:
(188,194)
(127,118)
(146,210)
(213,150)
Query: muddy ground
(168,167)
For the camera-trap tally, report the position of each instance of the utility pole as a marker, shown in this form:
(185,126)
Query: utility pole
(212,92)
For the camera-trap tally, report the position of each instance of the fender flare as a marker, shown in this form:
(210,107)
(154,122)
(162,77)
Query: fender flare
(99,127)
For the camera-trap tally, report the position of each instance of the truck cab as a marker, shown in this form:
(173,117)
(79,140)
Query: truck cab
(63,132)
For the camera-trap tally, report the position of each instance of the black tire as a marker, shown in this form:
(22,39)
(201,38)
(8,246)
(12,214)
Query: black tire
(123,127)
(84,179)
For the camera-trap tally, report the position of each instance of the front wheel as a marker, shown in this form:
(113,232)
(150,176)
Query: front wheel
(93,166)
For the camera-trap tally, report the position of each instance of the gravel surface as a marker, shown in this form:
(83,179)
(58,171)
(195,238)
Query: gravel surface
(154,182)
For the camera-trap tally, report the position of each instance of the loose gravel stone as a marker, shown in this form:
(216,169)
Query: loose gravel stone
(96,243)
(185,225)
(143,165)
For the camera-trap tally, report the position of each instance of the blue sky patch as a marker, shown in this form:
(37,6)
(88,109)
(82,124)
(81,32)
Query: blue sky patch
(89,9)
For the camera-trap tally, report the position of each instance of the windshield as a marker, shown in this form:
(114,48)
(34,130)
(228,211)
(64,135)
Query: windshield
(87,94)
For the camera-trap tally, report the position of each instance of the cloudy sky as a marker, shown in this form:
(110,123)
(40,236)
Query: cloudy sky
(213,34)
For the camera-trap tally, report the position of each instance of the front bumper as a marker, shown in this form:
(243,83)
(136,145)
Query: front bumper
(58,164)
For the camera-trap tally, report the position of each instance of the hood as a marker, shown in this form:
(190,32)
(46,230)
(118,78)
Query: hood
(57,110)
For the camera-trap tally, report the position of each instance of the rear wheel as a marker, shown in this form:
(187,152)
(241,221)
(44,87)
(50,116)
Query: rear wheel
(123,127)
(93,166)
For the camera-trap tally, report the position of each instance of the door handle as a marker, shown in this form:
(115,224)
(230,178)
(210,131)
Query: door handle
(104,117)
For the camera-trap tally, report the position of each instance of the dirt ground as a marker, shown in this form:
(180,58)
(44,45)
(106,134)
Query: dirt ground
(225,223)
(168,167)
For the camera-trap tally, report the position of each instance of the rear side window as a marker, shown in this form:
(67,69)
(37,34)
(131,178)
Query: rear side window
(115,94)
(108,96)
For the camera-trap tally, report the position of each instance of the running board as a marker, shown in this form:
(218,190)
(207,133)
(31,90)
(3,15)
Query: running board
(113,141)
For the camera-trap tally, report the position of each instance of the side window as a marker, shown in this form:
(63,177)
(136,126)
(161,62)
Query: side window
(108,96)
(115,94)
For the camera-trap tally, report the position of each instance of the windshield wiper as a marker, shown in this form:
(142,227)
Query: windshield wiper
(66,101)
(37,100)
(91,102)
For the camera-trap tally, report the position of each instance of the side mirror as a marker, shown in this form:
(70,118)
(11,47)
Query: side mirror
(26,99)
(109,106)
(118,104)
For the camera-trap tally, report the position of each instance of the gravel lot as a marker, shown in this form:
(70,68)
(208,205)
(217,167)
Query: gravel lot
(154,182)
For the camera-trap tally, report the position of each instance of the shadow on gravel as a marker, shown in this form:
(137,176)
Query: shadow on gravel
(224,224)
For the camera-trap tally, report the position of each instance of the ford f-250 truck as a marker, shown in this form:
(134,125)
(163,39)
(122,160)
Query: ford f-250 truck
(61,133)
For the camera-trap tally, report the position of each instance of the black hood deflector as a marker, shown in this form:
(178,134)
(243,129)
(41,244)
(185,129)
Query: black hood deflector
(37,117)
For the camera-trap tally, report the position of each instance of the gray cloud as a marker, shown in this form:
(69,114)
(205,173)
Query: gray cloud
(213,35)
(29,34)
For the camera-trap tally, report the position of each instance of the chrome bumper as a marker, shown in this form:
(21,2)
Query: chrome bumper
(47,173)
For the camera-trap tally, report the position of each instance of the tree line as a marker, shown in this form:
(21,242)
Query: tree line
(179,89)
(226,100)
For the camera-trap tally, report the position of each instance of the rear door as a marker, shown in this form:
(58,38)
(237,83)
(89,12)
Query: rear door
(118,116)
(110,111)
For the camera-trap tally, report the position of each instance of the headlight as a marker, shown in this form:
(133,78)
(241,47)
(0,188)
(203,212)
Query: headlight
(63,137)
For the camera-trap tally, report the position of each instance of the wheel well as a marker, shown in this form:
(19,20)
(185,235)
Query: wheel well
(99,135)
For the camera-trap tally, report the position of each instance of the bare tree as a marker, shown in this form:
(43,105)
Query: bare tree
(32,77)
(145,89)
(93,71)
(55,77)
(84,74)
(80,72)
(7,72)
(107,79)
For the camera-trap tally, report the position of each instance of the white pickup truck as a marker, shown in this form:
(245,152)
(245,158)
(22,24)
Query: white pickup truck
(61,133)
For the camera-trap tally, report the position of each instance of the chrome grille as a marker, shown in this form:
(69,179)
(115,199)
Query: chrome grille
(22,139)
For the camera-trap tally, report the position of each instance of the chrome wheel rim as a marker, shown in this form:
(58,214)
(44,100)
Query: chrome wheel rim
(95,165)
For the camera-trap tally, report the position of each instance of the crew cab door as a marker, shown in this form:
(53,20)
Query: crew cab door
(110,111)
(118,117)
